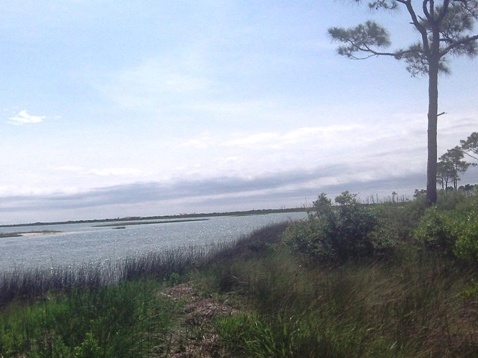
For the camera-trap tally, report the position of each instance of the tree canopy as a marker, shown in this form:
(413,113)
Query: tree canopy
(453,164)
(470,145)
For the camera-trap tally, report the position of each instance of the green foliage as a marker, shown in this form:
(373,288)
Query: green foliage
(466,246)
(307,238)
(437,231)
(471,292)
(450,165)
(89,348)
(396,308)
(449,200)
(288,337)
(365,35)
(113,321)
(398,220)
(451,229)
(248,336)
(471,144)
(174,279)
(335,234)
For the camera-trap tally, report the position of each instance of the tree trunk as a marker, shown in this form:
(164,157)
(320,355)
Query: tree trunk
(432,129)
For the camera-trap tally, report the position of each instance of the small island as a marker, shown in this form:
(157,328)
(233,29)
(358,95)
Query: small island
(28,233)
(122,225)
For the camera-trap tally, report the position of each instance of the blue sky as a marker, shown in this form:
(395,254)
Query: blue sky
(119,108)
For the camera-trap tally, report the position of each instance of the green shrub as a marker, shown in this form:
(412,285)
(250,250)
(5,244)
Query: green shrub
(450,199)
(334,234)
(469,204)
(453,233)
(399,220)
(437,231)
(466,246)
(308,238)
(88,348)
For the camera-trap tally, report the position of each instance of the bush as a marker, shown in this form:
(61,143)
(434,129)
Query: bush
(335,234)
(451,233)
(398,220)
(466,245)
(437,231)
(450,199)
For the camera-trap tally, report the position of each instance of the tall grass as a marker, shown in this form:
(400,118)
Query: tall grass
(416,303)
(413,307)
(112,309)
(126,320)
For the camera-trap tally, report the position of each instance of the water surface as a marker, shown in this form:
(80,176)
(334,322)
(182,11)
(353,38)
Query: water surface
(80,243)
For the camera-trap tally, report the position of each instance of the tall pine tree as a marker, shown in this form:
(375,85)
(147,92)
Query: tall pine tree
(445,29)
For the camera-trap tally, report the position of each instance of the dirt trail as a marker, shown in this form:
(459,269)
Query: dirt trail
(196,336)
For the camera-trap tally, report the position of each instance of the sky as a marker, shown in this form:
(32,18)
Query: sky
(116,108)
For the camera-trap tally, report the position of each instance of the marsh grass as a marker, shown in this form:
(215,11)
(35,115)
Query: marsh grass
(30,284)
(112,309)
(125,320)
(415,308)
(109,309)
(414,304)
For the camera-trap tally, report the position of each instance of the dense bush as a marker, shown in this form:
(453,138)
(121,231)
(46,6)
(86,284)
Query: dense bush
(452,232)
(336,233)
(398,220)
(466,246)
(438,231)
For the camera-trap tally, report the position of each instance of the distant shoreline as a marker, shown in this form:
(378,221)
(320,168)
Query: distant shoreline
(170,217)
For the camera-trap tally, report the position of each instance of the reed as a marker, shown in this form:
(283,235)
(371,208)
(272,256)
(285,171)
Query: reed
(30,284)
(409,307)
(124,320)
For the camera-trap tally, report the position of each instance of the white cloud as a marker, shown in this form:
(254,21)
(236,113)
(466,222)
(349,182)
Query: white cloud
(120,172)
(70,168)
(331,134)
(115,172)
(23,117)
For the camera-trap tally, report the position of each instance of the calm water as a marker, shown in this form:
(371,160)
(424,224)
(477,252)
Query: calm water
(78,244)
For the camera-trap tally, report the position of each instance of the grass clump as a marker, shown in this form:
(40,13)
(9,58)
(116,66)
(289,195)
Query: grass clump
(125,320)
(96,310)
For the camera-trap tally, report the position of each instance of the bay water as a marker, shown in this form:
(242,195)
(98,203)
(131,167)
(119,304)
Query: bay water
(76,244)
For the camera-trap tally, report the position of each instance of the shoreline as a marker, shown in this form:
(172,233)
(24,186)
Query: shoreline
(28,233)
(115,221)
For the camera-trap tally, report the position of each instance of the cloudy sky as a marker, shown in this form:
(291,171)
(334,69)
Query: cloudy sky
(113,108)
